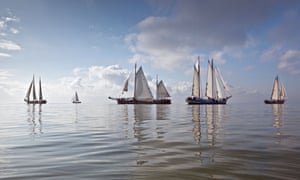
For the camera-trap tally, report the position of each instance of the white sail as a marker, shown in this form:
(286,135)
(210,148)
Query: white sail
(125,88)
(76,97)
(142,90)
(210,83)
(224,85)
(275,90)
(162,91)
(196,80)
(27,98)
(282,91)
(219,92)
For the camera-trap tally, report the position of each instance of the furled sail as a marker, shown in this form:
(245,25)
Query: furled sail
(162,91)
(142,90)
(196,80)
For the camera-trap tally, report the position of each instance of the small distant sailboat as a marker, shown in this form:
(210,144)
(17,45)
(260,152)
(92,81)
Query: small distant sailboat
(76,99)
(216,90)
(34,99)
(142,92)
(278,95)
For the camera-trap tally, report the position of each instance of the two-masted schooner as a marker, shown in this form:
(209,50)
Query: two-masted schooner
(142,92)
(75,99)
(278,94)
(34,99)
(216,90)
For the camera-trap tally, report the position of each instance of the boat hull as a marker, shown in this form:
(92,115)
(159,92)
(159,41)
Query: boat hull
(37,102)
(76,102)
(197,100)
(134,101)
(268,101)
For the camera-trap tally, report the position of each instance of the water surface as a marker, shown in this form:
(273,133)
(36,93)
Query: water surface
(177,141)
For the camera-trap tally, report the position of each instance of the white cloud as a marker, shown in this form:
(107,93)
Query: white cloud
(182,87)
(91,83)
(14,30)
(9,45)
(4,55)
(205,26)
(7,27)
(290,62)
(271,54)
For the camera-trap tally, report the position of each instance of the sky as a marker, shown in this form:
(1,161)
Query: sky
(91,46)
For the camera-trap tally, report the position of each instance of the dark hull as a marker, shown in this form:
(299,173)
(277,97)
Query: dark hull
(76,102)
(37,102)
(197,100)
(134,101)
(274,101)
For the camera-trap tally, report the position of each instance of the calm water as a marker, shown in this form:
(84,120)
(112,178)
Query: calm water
(178,141)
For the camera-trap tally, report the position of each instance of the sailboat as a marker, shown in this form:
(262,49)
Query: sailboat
(142,92)
(278,95)
(216,91)
(76,99)
(34,99)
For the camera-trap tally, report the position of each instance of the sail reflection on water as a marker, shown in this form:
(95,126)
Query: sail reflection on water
(278,112)
(213,117)
(31,119)
(197,123)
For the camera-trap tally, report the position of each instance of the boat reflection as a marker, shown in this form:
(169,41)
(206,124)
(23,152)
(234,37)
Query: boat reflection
(197,123)
(213,118)
(162,112)
(142,113)
(278,112)
(36,125)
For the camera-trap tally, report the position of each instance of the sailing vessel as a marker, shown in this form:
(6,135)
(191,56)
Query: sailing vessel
(34,99)
(278,95)
(216,91)
(76,99)
(142,92)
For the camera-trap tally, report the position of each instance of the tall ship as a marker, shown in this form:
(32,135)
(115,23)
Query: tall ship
(75,99)
(216,91)
(31,90)
(278,94)
(142,92)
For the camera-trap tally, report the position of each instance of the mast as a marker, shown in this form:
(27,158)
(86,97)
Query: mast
(134,92)
(213,79)
(33,86)
(157,87)
(200,89)
(76,96)
(40,84)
